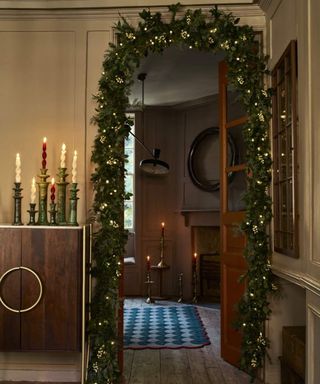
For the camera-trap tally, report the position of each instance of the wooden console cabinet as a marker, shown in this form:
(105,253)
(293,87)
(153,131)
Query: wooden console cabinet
(45,263)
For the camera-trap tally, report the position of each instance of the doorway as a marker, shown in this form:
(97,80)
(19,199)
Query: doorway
(175,199)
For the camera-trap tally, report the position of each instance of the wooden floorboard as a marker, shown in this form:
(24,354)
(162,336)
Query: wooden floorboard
(183,366)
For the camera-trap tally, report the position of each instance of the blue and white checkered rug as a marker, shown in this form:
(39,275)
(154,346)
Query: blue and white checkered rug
(157,327)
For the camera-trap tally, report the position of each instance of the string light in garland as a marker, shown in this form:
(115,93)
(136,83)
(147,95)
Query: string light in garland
(195,30)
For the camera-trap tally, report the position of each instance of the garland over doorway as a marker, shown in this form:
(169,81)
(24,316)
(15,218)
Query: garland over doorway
(215,31)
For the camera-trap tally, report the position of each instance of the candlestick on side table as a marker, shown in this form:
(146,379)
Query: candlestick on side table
(32,210)
(180,280)
(194,278)
(52,211)
(149,282)
(73,193)
(62,192)
(17,193)
(43,187)
(162,263)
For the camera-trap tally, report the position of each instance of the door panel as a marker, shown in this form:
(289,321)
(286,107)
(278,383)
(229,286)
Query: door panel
(54,324)
(233,185)
(10,257)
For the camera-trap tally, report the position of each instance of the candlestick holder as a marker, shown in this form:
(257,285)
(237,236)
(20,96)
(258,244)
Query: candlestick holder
(32,213)
(149,282)
(61,200)
(180,280)
(17,204)
(73,205)
(195,283)
(53,214)
(43,194)
(162,263)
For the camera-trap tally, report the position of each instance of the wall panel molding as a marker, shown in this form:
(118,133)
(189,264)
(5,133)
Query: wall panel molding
(299,278)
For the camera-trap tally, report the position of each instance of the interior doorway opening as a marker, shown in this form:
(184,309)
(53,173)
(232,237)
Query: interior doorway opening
(191,212)
(206,243)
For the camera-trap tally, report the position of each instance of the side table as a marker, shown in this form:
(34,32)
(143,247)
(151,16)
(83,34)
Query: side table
(160,270)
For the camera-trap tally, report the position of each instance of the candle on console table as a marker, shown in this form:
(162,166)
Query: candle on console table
(33,191)
(18,168)
(148,263)
(52,190)
(63,156)
(74,167)
(44,153)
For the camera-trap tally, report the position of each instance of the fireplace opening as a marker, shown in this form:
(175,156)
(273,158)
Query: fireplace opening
(206,244)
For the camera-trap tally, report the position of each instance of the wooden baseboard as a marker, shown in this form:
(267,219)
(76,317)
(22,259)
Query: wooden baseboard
(37,382)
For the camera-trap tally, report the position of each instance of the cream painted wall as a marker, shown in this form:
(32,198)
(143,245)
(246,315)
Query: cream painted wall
(287,310)
(49,72)
(287,20)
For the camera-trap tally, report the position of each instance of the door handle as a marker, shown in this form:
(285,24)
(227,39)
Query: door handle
(40,291)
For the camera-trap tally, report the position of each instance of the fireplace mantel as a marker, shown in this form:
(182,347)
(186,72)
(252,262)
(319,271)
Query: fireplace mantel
(203,216)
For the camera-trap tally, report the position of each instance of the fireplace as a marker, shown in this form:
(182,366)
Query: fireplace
(206,243)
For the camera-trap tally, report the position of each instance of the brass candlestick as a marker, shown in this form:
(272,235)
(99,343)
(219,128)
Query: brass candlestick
(43,193)
(53,213)
(149,299)
(73,205)
(32,213)
(17,204)
(180,300)
(61,199)
(162,263)
(195,282)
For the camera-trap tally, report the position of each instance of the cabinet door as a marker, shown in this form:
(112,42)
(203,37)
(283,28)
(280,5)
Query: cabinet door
(55,256)
(10,257)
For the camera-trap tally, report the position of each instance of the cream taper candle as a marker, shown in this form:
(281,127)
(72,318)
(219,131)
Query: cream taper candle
(63,156)
(18,168)
(33,191)
(74,167)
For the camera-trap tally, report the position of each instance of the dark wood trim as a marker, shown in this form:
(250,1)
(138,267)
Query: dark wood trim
(284,134)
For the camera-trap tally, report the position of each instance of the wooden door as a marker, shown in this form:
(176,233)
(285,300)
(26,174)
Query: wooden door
(233,184)
(55,323)
(10,286)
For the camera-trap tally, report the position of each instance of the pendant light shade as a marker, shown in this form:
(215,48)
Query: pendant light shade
(153,166)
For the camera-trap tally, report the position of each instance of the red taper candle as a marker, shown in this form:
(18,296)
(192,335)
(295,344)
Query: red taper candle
(52,190)
(44,153)
(148,263)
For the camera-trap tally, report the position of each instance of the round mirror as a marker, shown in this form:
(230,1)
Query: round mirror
(204,159)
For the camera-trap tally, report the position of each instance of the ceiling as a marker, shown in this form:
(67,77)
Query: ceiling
(176,76)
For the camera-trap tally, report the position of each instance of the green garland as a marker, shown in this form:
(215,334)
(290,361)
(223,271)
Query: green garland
(207,32)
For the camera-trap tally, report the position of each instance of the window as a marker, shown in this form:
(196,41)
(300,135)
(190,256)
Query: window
(284,126)
(129,180)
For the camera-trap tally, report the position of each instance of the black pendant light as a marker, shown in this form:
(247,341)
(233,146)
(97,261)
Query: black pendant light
(152,166)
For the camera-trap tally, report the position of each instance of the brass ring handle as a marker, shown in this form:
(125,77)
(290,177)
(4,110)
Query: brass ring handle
(40,293)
